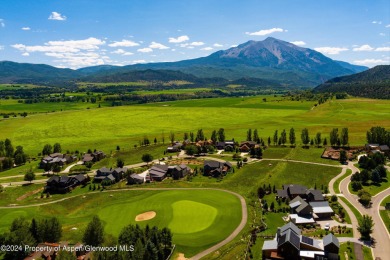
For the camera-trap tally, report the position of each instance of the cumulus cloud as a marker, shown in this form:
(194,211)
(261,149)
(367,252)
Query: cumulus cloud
(377,22)
(145,50)
(364,47)
(206,49)
(299,43)
(1,47)
(266,31)
(387,26)
(217,45)
(331,50)
(382,34)
(383,49)
(26,28)
(197,43)
(122,52)
(73,53)
(191,45)
(233,46)
(372,62)
(156,45)
(57,16)
(2,23)
(123,43)
(179,39)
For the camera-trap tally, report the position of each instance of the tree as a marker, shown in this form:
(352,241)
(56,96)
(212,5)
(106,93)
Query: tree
(29,176)
(19,156)
(356,185)
(343,156)
(249,135)
(365,175)
(275,137)
(261,192)
(365,226)
(325,142)
(378,135)
(155,141)
(364,197)
(191,150)
(376,176)
(269,140)
(292,136)
(334,198)
(49,230)
(47,149)
(344,136)
(334,136)
(382,171)
(305,137)
(214,136)
(120,163)
(57,148)
(57,168)
(2,149)
(256,136)
(199,135)
(66,255)
(318,139)
(221,135)
(283,137)
(192,137)
(9,149)
(147,157)
(94,233)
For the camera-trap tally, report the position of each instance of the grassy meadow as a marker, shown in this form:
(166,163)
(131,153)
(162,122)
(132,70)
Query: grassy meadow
(107,127)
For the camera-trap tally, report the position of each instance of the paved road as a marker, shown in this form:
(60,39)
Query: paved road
(382,239)
(244,213)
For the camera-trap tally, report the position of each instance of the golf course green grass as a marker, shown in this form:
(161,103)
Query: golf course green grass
(198,219)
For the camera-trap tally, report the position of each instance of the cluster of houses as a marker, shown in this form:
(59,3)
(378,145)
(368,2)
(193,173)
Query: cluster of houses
(228,145)
(93,157)
(64,184)
(306,205)
(159,172)
(111,175)
(289,243)
(56,158)
(376,148)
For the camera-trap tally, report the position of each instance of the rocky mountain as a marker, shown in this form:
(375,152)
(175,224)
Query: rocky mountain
(271,60)
(372,83)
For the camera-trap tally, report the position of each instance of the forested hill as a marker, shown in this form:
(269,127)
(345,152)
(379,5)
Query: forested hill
(372,83)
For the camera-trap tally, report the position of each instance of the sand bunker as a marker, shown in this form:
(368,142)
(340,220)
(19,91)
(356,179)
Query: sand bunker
(145,216)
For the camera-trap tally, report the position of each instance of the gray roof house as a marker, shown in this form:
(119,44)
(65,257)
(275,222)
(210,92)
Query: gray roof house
(158,172)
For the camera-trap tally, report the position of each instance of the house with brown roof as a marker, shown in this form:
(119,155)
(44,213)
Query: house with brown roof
(216,168)
(93,157)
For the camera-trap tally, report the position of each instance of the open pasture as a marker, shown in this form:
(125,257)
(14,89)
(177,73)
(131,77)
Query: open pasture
(198,218)
(107,127)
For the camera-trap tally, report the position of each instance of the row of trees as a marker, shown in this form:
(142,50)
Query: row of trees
(378,135)
(148,243)
(11,155)
(22,232)
(48,149)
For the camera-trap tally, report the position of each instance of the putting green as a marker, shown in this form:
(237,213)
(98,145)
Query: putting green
(190,216)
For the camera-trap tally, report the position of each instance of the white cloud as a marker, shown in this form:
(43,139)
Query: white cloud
(377,22)
(145,50)
(382,34)
(266,32)
(191,45)
(26,28)
(122,52)
(206,49)
(330,50)
(179,39)
(57,16)
(364,47)
(217,45)
(156,45)
(299,43)
(383,49)
(387,26)
(233,46)
(138,61)
(371,62)
(124,43)
(197,43)
(1,47)
(73,53)
(2,23)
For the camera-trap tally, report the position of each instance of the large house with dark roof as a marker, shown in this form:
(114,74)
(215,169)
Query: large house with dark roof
(93,157)
(293,190)
(289,243)
(106,174)
(178,171)
(158,172)
(56,158)
(216,168)
(63,184)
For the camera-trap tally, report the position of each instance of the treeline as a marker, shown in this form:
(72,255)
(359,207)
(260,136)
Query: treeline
(378,135)
(25,233)
(10,155)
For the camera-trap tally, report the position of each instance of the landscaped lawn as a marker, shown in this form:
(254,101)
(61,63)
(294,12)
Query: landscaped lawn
(372,188)
(336,184)
(354,210)
(385,214)
(197,218)
(349,249)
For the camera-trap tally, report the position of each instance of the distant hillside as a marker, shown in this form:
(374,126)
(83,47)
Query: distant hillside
(373,83)
(13,72)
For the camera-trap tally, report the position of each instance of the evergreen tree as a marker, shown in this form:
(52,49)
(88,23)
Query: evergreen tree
(249,135)
(283,137)
(214,136)
(365,226)
(318,139)
(275,137)
(344,136)
(57,148)
(94,233)
(47,149)
(305,137)
(292,136)
(256,136)
(221,135)
(334,136)
(9,149)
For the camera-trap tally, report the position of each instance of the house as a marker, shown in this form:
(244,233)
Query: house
(384,149)
(63,184)
(57,158)
(321,209)
(293,190)
(135,179)
(178,171)
(300,206)
(216,168)
(246,146)
(158,172)
(93,157)
(314,195)
(176,147)
(227,145)
(104,172)
(289,243)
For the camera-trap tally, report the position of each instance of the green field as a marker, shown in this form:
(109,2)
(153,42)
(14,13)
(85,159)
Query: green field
(385,214)
(198,218)
(107,127)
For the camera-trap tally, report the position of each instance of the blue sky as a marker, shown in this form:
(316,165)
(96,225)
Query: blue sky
(80,33)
